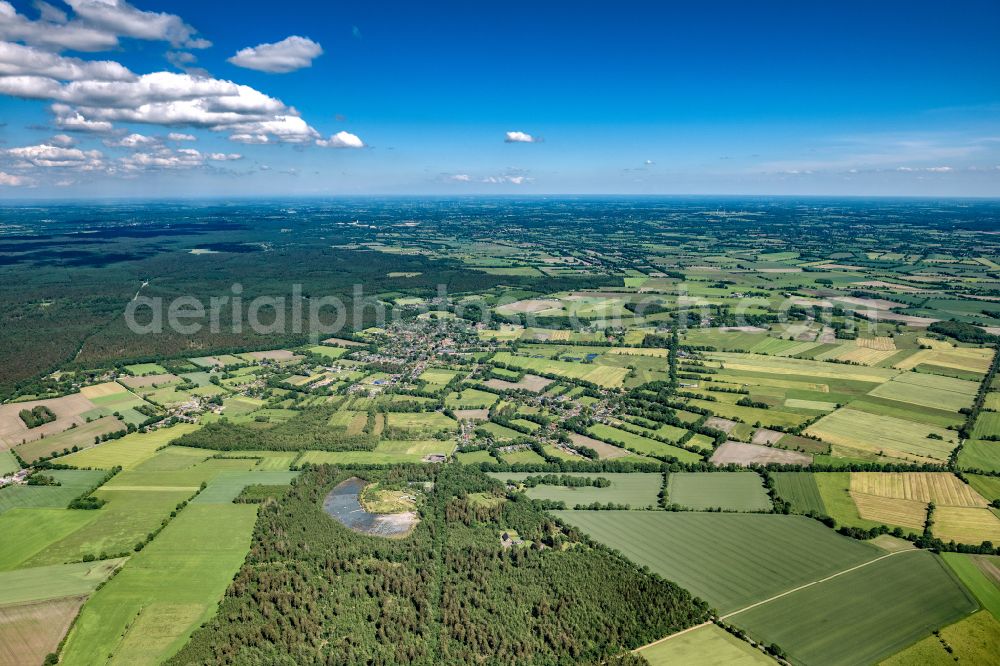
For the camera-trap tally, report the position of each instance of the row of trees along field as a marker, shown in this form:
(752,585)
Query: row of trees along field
(314,592)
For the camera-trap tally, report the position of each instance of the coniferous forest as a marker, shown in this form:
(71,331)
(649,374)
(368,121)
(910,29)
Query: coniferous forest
(314,592)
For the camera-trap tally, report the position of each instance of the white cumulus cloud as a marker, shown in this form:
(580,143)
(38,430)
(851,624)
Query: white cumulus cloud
(506,180)
(50,156)
(95,26)
(120,18)
(341,140)
(288,55)
(521,137)
(68,119)
(179,136)
(21,60)
(11,180)
(133,141)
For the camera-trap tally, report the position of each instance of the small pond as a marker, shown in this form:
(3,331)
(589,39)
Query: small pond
(343,505)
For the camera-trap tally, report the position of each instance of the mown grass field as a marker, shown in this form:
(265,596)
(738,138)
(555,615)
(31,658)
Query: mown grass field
(81,436)
(147,612)
(730,491)
(886,435)
(705,645)
(421,421)
(864,615)
(386,452)
(52,582)
(31,630)
(942,488)
(638,490)
(966,525)
(72,482)
(730,560)
(973,640)
(129,451)
(928,391)
(891,511)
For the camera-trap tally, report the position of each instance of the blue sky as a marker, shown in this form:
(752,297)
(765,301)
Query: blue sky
(893,98)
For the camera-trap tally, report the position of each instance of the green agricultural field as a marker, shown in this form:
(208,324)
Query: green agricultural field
(240,406)
(641,444)
(974,640)
(971,570)
(328,352)
(522,456)
(82,436)
(36,529)
(987,486)
(864,615)
(129,451)
(800,490)
(143,369)
(987,425)
(792,366)
(555,452)
(766,417)
(638,490)
(470,399)
(385,453)
(928,391)
(52,582)
(72,484)
(730,491)
(127,518)
(730,560)
(437,376)
(227,485)
(8,463)
(981,455)
(886,435)
(266,460)
(474,457)
(602,375)
(705,646)
(174,458)
(835,491)
(427,422)
(165,591)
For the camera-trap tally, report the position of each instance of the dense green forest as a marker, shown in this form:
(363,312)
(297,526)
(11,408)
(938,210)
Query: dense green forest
(314,592)
(307,431)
